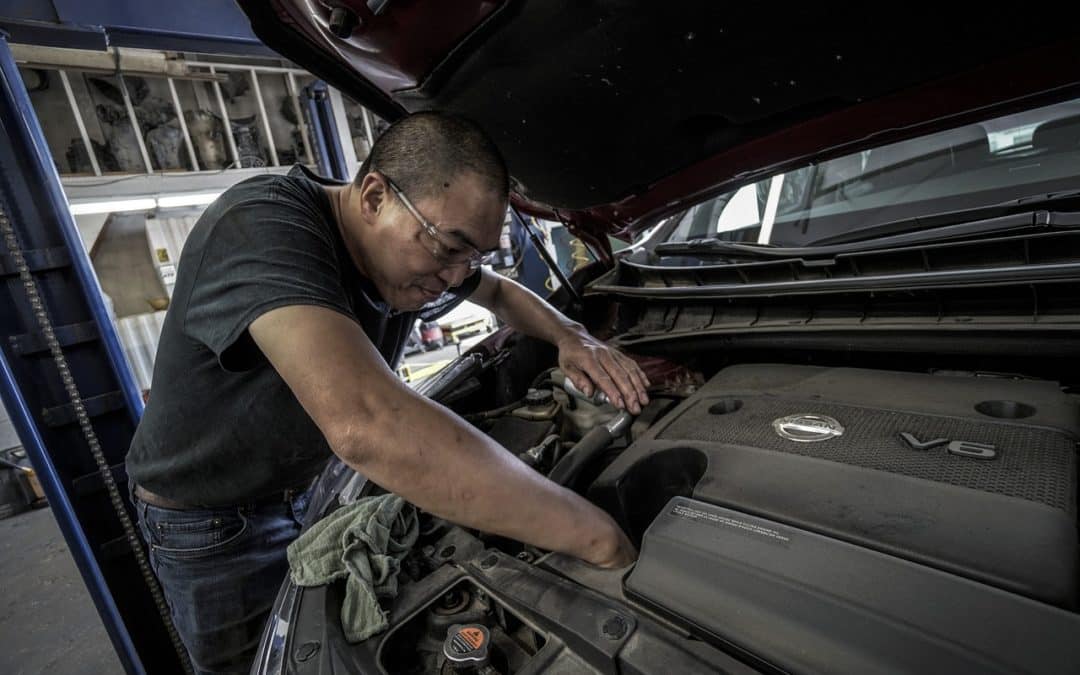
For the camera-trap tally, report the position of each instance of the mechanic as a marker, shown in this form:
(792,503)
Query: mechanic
(292,296)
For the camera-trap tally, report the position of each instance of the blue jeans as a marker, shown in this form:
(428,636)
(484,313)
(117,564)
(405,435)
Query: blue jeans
(220,569)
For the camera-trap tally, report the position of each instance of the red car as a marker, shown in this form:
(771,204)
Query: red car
(858,302)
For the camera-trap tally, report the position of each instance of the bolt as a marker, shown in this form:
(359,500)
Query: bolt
(450,599)
(615,628)
(343,21)
(307,650)
(525,556)
(489,562)
(447,551)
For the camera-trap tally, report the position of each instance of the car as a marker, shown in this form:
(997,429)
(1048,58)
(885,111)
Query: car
(854,288)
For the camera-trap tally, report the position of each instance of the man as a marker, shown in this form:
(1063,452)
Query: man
(292,296)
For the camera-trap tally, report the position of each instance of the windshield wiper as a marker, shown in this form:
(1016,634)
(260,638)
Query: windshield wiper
(935,221)
(972,228)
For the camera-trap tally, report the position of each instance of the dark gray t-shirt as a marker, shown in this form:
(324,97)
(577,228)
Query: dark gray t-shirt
(221,426)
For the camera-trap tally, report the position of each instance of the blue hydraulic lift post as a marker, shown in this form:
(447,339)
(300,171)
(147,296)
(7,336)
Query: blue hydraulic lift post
(66,517)
(327,141)
(322,156)
(41,407)
(55,204)
(41,254)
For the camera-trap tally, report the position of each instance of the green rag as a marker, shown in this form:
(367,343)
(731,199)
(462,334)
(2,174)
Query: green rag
(364,543)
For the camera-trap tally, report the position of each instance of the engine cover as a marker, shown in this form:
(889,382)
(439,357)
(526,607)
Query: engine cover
(972,475)
(801,602)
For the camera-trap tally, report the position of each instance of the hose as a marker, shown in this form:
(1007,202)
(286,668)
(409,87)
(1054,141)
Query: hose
(589,447)
(545,375)
(494,412)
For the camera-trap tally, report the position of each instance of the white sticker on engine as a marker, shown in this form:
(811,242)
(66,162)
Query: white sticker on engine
(717,520)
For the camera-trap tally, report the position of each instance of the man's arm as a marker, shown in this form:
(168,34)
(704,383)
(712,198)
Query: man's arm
(418,449)
(583,358)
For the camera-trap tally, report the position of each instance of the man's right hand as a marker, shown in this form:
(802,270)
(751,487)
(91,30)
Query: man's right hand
(614,549)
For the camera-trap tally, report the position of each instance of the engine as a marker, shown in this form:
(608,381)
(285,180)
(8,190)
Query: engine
(791,518)
(974,476)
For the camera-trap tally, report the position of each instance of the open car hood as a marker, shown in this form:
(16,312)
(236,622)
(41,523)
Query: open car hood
(612,112)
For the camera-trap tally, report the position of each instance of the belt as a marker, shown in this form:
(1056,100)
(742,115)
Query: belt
(147,497)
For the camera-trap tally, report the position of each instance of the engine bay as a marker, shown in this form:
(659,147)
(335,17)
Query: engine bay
(971,475)
(790,518)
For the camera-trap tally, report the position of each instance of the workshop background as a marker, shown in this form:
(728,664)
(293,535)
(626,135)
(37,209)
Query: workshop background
(148,112)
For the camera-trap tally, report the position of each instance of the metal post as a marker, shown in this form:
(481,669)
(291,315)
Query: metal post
(225,120)
(546,255)
(265,119)
(183,124)
(55,205)
(369,130)
(135,124)
(294,98)
(67,519)
(324,131)
(239,66)
(318,139)
(30,186)
(339,118)
(771,204)
(79,122)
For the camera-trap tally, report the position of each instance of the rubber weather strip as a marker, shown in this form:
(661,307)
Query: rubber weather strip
(33,295)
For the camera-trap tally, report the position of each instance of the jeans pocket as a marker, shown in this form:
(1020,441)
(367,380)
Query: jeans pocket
(190,535)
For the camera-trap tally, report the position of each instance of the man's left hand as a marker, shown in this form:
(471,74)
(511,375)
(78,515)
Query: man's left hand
(589,363)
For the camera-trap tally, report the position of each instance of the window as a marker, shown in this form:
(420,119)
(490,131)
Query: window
(999,159)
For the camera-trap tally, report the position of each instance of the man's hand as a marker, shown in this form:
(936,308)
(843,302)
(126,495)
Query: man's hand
(614,551)
(588,362)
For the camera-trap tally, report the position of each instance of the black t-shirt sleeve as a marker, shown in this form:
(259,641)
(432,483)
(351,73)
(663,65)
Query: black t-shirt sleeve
(260,255)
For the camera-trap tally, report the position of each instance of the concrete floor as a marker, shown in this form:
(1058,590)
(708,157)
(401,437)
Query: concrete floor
(443,354)
(48,624)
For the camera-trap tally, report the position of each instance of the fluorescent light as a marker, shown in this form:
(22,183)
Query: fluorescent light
(141,204)
(190,199)
(144,203)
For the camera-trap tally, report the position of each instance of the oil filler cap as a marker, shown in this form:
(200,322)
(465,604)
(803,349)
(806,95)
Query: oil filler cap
(466,644)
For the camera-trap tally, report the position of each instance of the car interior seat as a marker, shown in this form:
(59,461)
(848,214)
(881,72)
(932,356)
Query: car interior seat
(918,160)
(1058,135)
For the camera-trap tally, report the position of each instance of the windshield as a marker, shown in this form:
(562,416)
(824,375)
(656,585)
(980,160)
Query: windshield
(994,161)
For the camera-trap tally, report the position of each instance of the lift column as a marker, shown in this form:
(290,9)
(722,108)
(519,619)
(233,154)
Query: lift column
(65,382)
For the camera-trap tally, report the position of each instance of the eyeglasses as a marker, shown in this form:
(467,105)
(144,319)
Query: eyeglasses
(448,249)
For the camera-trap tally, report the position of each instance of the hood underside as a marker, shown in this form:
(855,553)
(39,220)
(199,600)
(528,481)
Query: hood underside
(609,110)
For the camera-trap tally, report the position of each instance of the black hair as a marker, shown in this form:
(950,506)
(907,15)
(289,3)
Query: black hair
(422,152)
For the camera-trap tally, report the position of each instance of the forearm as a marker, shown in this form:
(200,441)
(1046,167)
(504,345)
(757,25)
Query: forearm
(584,359)
(530,314)
(418,449)
(446,467)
